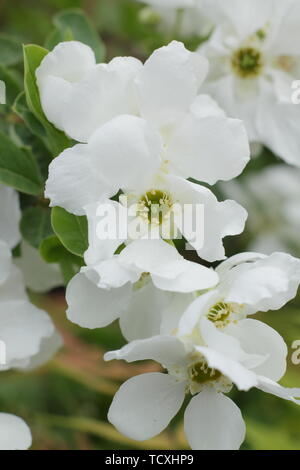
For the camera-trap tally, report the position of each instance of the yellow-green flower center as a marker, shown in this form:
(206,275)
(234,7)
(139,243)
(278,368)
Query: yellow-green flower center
(201,373)
(247,62)
(155,205)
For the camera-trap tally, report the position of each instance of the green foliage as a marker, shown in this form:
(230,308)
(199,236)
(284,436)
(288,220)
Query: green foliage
(10,50)
(73,24)
(52,251)
(71,230)
(36,225)
(33,56)
(18,167)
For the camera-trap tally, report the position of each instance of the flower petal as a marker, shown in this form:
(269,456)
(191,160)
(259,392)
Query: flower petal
(143,317)
(267,343)
(167,350)
(169,82)
(212,421)
(243,378)
(22,328)
(126,151)
(206,158)
(92,307)
(73,169)
(267,284)
(269,386)
(68,63)
(108,91)
(144,405)
(14,433)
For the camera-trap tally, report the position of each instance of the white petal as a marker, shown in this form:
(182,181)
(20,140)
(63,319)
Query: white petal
(104,227)
(72,169)
(144,314)
(14,433)
(206,158)
(169,82)
(167,350)
(205,220)
(258,338)
(48,348)
(212,421)
(22,328)
(107,92)
(126,151)
(246,18)
(13,288)
(281,134)
(236,260)
(221,219)
(92,307)
(5,261)
(267,284)
(243,378)
(68,63)
(111,273)
(200,306)
(153,256)
(144,405)
(269,386)
(38,275)
(193,277)
(10,216)
(168,269)
(229,346)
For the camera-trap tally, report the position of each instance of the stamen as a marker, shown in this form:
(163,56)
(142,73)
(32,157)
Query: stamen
(247,62)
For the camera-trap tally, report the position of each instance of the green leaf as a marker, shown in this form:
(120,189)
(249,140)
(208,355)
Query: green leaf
(71,230)
(33,56)
(10,50)
(13,86)
(18,168)
(52,251)
(36,225)
(75,23)
(21,109)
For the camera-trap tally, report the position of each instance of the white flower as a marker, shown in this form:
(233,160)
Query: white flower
(183,18)
(14,433)
(27,332)
(249,283)
(204,365)
(271,199)
(173,125)
(102,291)
(255,59)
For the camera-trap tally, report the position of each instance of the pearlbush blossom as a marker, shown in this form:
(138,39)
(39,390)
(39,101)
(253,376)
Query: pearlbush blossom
(27,334)
(255,59)
(213,348)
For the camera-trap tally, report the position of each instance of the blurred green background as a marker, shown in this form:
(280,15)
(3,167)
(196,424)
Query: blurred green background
(66,402)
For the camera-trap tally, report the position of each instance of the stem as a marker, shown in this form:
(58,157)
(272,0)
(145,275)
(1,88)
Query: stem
(106,431)
(99,385)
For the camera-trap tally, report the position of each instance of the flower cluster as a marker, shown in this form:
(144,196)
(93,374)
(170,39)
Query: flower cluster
(147,130)
(28,336)
(121,168)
